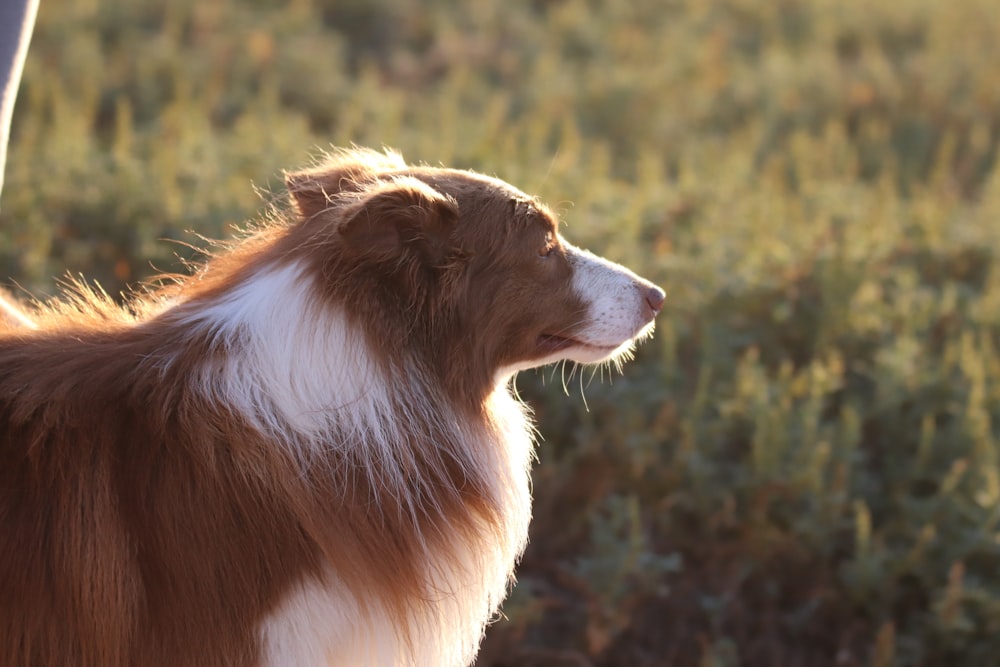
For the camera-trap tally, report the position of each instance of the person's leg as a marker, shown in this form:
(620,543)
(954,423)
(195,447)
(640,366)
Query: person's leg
(17,20)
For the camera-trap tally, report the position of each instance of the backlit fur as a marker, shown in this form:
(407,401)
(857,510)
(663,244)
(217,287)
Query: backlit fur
(306,453)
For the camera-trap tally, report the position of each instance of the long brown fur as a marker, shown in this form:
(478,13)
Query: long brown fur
(144,520)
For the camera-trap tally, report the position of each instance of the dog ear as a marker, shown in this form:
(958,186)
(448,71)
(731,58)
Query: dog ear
(312,190)
(309,195)
(403,215)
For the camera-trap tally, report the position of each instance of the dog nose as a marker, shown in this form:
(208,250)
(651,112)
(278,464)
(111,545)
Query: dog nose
(655,298)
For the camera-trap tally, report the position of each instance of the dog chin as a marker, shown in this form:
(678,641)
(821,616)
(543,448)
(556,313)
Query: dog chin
(586,353)
(553,350)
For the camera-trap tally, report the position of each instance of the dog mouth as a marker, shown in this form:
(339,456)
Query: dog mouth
(551,343)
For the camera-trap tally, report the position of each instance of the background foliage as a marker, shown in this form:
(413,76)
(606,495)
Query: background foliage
(802,468)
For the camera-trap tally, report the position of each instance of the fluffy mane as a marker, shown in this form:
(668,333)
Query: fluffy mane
(306,452)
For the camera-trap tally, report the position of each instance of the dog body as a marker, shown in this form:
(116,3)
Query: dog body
(11,315)
(307,453)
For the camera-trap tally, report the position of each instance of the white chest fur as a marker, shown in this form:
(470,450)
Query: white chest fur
(322,623)
(300,374)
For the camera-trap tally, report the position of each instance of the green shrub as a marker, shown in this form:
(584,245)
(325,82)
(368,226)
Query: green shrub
(802,468)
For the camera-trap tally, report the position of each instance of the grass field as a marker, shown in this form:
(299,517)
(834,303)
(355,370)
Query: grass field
(802,469)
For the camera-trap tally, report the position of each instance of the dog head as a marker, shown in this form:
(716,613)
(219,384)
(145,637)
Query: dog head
(464,268)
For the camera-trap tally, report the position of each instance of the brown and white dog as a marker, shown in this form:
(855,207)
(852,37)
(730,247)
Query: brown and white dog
(307,453)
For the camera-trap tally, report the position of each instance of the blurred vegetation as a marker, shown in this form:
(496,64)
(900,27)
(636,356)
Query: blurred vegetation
(803,467)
